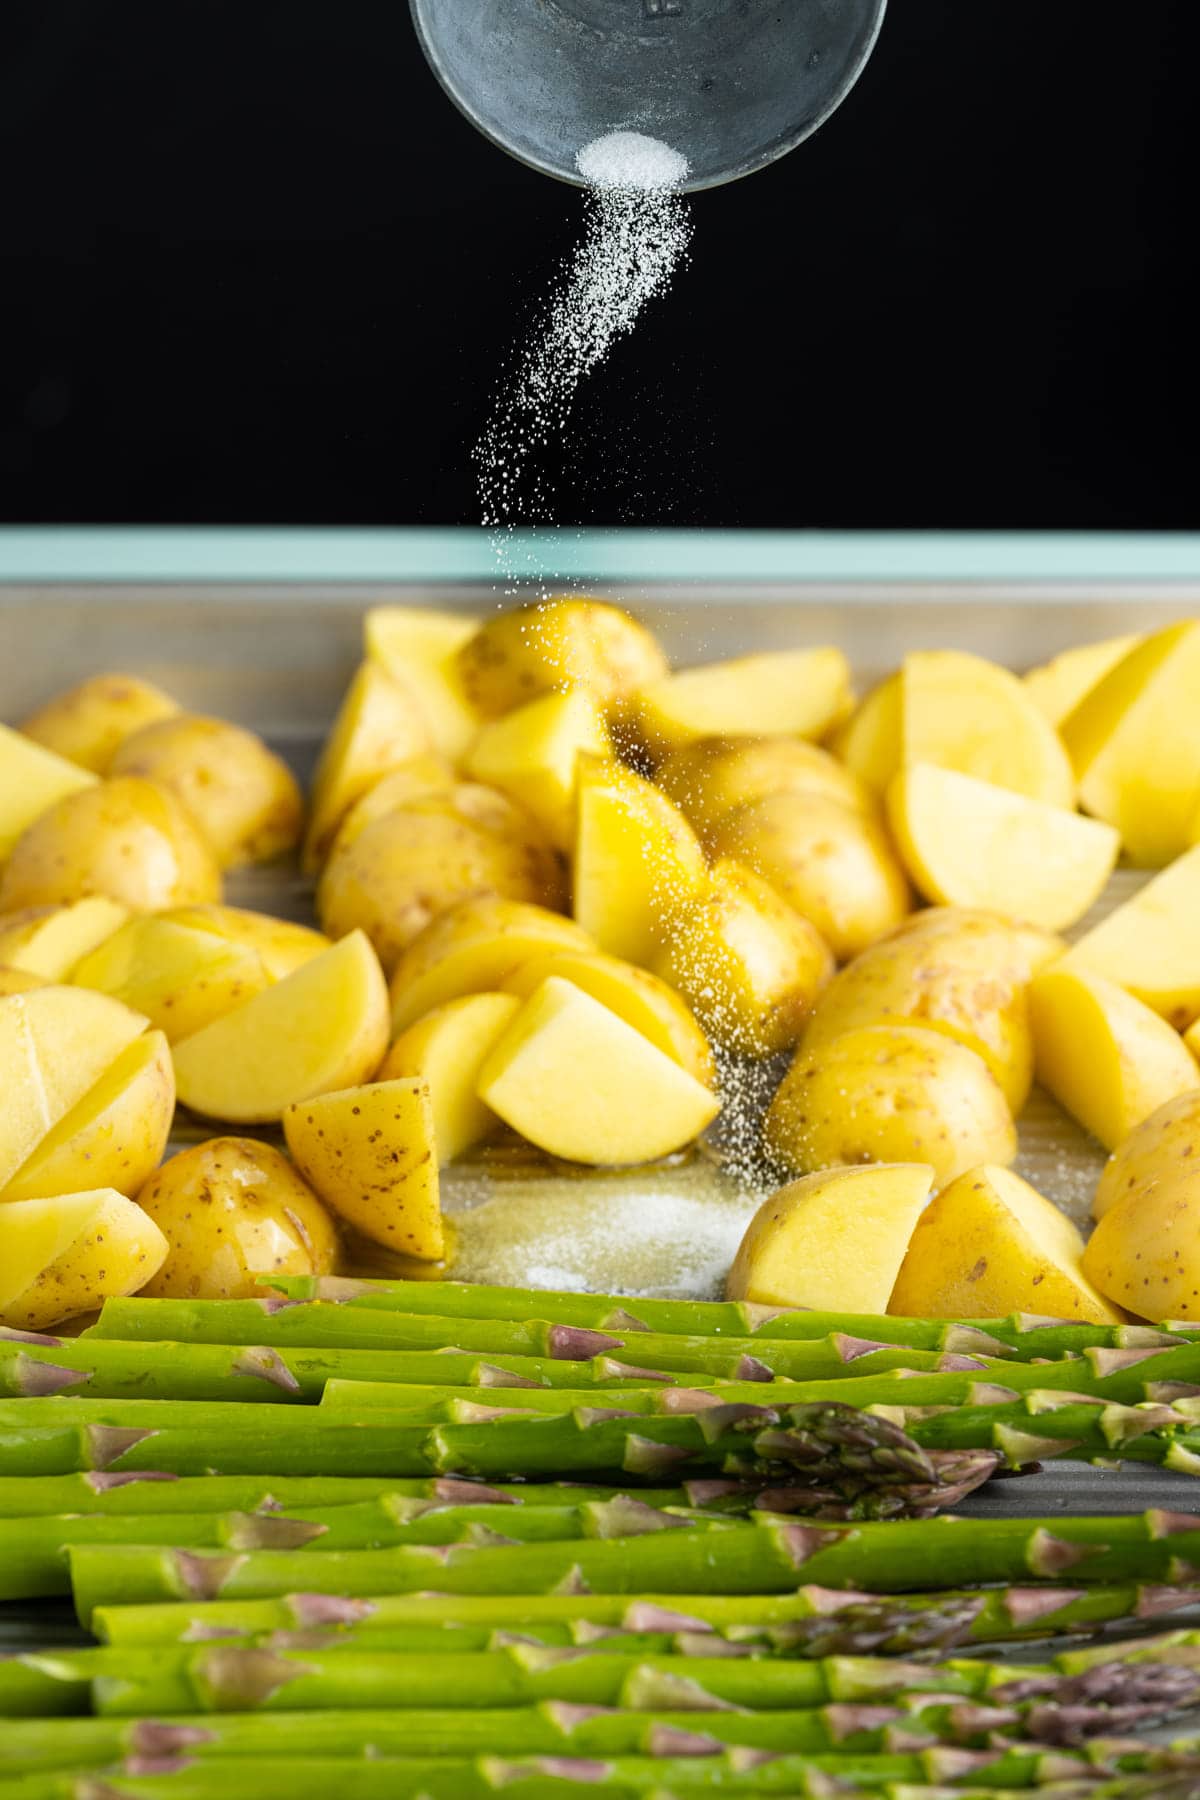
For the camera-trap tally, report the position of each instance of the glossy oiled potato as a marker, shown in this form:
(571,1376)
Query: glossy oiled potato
(232,1209)
(802,693)
(126,838)
(411,864)
(1145,1251)
(282,946)
(890,1094)
(244,798)
(715,775)
(369,1152)
(424,777)
(834,865)
(558,643)
(68,1253)
(1164,1149)
(636,862)
(89,723)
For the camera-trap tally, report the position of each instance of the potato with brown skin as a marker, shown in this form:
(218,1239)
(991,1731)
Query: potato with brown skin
(414,863)
(1163,1148)
(244,798)
(890,1094)
(558,643)
(835,866)
(126,838)
(89,723)
(232,1209)
(714,776)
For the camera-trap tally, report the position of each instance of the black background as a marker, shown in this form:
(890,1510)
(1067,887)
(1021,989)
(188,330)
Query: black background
(254,268)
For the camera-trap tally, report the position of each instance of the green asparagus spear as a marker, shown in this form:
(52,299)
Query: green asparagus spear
(34,1496)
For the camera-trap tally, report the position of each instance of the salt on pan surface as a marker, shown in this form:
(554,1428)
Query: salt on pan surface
(629,159)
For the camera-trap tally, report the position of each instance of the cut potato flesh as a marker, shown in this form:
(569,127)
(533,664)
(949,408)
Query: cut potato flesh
(19,981)
(1151,945)
(1057,687)
(871,743)
(32,780)
(990,1245)
(73,1037)
(575,1079)
(637,860)
(473,948)
(531,756)
(641,999)
(426,777)
(179,978)
(1191,1038)
(960,712)
(1134,741)
(49,942)
(799,693)
(378,726)
(67,1254)
(282,945)
(369,1153)
(834,1241)
(325,1027)
(446,1050)
(1107,1058)
(419,647)
(969,843)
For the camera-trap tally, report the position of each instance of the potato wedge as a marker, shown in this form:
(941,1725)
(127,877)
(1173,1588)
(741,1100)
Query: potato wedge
(716,775)
(32,780)
(378,726)
(425,777)
(961,712)
(369,1153)
(444,1052)
(68,1254)
(635,995)
(1134,740)
(962,973)
(969,843)
(1164,1150)
(990,1245)
(799,693)
(562,642)
(890,1094)
(1057,687)
(180,979)
(232,1209)
(244,798)
(322,1028)
(1191,1036)
(636,862)
(419,647)
(125,838)
(748,965)
(473,948)
(834,1241)
(113,1136)
(1142,1254)
(413,863)
(835,867)
(577,1081)
(871,742)
(1151,945)
(89,723)
(19,981)
(50,940)
(281,945)
(531,753)
(1104,1056)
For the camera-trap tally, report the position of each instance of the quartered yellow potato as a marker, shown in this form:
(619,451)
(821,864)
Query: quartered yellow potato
(1163,1151)
(969,843)
(473,948)
(990,1245)
(1057,687)
(324,1027)
(890,1093)
(623,1101)
(419,647)
(50,940)
(834,866)
(378,727)
(424,777)
(637,860)
(749,966)
(32,780)
(281,945)
(960,712)
(554,644)
(19,981)
(1191,1038)
(715,775)
(800,693)
(1134,741)
(67,1254)
(531,754)
(871,742)
(444,1052)
(833,1241)
(1151,945)
(179,978)
(88,723)
(244,798)
(651,1006)
(369,1153)
(416,861)
(1145,1251)
(1105,1057)
(125,838)
(113,1136)
(232,1209)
